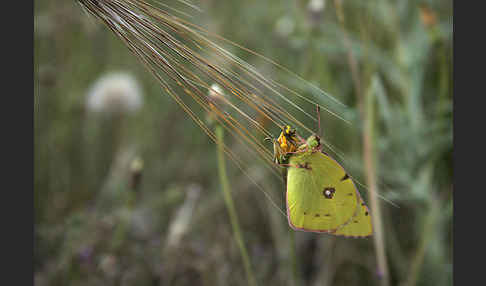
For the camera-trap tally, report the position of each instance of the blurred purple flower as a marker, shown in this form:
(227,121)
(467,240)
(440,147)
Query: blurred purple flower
(85,254)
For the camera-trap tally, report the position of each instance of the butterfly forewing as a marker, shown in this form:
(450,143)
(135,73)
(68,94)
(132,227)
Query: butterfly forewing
(321,197)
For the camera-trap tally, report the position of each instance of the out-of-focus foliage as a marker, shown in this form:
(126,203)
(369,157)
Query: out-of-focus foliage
(132,197)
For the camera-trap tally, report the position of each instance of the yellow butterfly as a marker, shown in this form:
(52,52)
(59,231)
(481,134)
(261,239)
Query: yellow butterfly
(321,197)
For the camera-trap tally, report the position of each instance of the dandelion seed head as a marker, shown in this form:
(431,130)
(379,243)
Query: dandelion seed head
(316,9)
(216,97)
(116,92)
(316,6)
(215,91)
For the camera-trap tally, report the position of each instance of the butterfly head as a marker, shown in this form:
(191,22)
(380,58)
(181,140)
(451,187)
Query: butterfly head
(314,141)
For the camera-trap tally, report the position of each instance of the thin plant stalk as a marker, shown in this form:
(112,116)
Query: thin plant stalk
(428,228)
(369,161)
(293,258)
(223,178)
(353,64)
(368,152)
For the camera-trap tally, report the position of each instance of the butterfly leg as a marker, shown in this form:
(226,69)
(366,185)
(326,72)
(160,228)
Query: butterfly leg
(306,166)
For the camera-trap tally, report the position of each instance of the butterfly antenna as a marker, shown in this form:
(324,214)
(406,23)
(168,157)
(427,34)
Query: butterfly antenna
(318,110)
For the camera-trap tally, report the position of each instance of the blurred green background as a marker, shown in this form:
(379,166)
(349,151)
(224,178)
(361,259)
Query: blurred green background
(127,189)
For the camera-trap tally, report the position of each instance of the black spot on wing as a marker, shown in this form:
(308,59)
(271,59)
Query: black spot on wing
(328,192)
(346,176)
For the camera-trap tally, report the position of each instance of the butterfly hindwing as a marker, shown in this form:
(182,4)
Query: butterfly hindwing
(360,225)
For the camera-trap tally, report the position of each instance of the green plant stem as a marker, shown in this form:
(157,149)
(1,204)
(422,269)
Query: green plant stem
(223,179)
(366,108)
(427,233)
(293,258)
(369,160)
(122,228)
(353,64)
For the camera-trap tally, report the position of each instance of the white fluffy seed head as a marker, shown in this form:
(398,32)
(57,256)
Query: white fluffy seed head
(316,11)
(116,92)
(316,6)
(215,91)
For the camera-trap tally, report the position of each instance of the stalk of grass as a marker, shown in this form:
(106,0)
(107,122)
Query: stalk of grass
(119,182)
(293,266)
(369,160)
(366,107)
(428,229)
(293,259)
(353,64)
(223,178)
